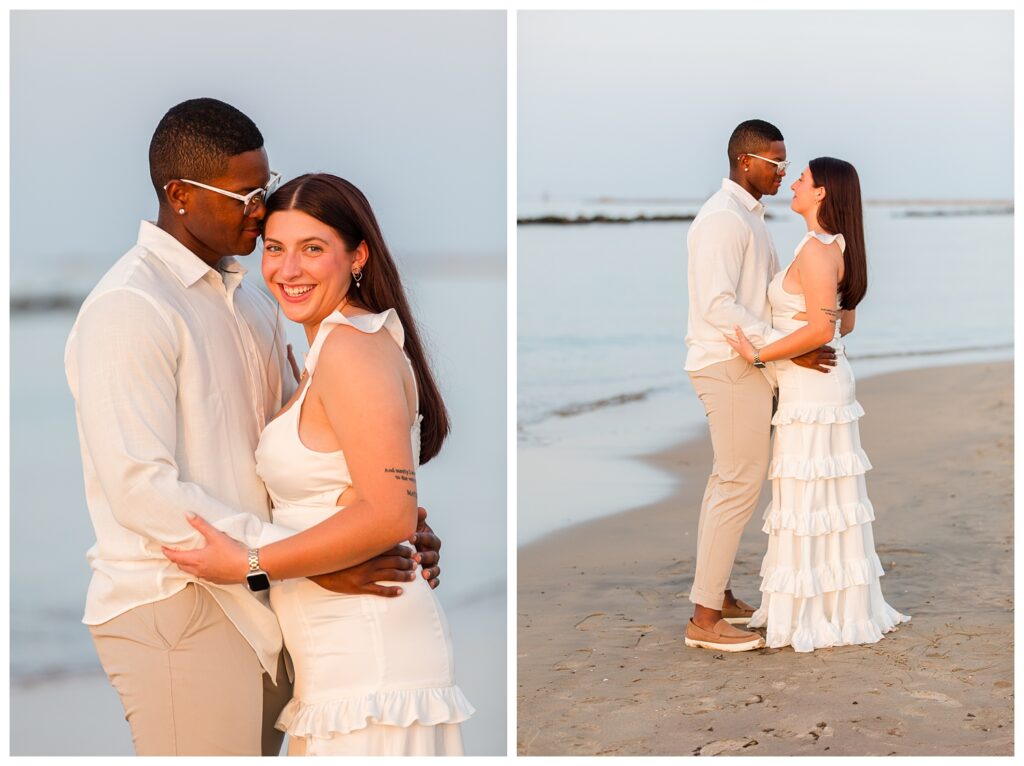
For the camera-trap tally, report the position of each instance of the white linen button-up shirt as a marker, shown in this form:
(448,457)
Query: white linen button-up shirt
(731,260)
(175,368)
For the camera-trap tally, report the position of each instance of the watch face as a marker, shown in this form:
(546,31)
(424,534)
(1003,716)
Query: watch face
(257,581)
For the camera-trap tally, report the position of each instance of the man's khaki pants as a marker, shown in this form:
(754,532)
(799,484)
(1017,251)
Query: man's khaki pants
(189,682)
(737,399)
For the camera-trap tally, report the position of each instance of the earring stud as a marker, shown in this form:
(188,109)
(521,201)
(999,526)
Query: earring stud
(181,211)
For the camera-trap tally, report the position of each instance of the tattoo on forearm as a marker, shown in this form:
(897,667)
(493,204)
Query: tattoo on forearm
(834,314)
(411,492)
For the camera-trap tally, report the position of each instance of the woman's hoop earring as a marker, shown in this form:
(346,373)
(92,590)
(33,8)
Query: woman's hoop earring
(357,276)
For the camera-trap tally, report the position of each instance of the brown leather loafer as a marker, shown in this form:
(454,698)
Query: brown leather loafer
(739,614)
(724,638)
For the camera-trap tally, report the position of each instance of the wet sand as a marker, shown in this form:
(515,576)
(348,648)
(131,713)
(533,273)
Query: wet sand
(602,668)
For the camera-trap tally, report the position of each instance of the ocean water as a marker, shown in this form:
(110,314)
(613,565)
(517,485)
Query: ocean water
(602,319)
(463,488)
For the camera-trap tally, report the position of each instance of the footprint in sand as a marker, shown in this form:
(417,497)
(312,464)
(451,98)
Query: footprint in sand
(822,729)
(679,567)
(624,632)
(886,549)
(879,727)
(581,659)
(720,746)
(692,706)
(935,697)
(590,621)
(650,596)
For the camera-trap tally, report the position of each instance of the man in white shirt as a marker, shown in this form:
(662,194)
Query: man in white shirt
(731,261)
(176,365)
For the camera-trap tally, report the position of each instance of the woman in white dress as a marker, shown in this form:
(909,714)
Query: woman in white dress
(373,676)
(820,576)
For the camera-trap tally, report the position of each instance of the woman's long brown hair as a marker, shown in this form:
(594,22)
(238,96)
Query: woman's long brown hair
(339,204)
(841,212)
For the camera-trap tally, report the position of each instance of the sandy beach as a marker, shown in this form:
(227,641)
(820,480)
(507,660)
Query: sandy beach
(602,668)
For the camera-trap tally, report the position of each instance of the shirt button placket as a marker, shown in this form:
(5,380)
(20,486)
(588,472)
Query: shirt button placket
(251,358)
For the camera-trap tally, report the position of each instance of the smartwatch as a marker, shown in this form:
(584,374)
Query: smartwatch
(256,578)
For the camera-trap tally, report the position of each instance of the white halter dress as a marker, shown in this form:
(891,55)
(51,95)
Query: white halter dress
(820,576)
(373,675)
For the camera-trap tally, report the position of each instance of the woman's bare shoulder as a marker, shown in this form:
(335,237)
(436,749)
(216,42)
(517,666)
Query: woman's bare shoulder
(816,254)
(349,352)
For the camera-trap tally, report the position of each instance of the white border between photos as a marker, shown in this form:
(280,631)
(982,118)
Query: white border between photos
(5,388)
(511,396)
(1018,387)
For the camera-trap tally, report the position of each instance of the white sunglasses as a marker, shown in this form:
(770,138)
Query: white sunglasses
(250,201)
(780,167)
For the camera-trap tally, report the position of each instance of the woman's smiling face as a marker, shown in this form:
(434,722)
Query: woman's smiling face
(307,265)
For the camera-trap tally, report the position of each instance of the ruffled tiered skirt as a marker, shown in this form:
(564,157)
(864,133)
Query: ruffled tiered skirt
(820,576)
(373,676)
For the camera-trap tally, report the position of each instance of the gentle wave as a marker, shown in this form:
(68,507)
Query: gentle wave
(579,408)
(612,401)
(930,352)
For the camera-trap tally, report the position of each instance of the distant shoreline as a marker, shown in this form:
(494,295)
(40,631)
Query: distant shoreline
(961,212)
(959,208)
(883,201)
(564,220)
(41,304)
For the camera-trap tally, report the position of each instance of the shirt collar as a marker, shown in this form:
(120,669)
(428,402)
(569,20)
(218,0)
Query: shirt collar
(188,267)
(742,195)
(231,271)
(231,265)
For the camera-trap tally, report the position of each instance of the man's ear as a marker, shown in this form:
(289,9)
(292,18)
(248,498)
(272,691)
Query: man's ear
(178,195)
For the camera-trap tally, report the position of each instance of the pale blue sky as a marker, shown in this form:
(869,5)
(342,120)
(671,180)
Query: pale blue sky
(410,106)
(642,103)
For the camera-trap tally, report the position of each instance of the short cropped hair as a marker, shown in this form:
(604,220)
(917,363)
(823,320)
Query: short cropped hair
(751,137)
(196,139)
